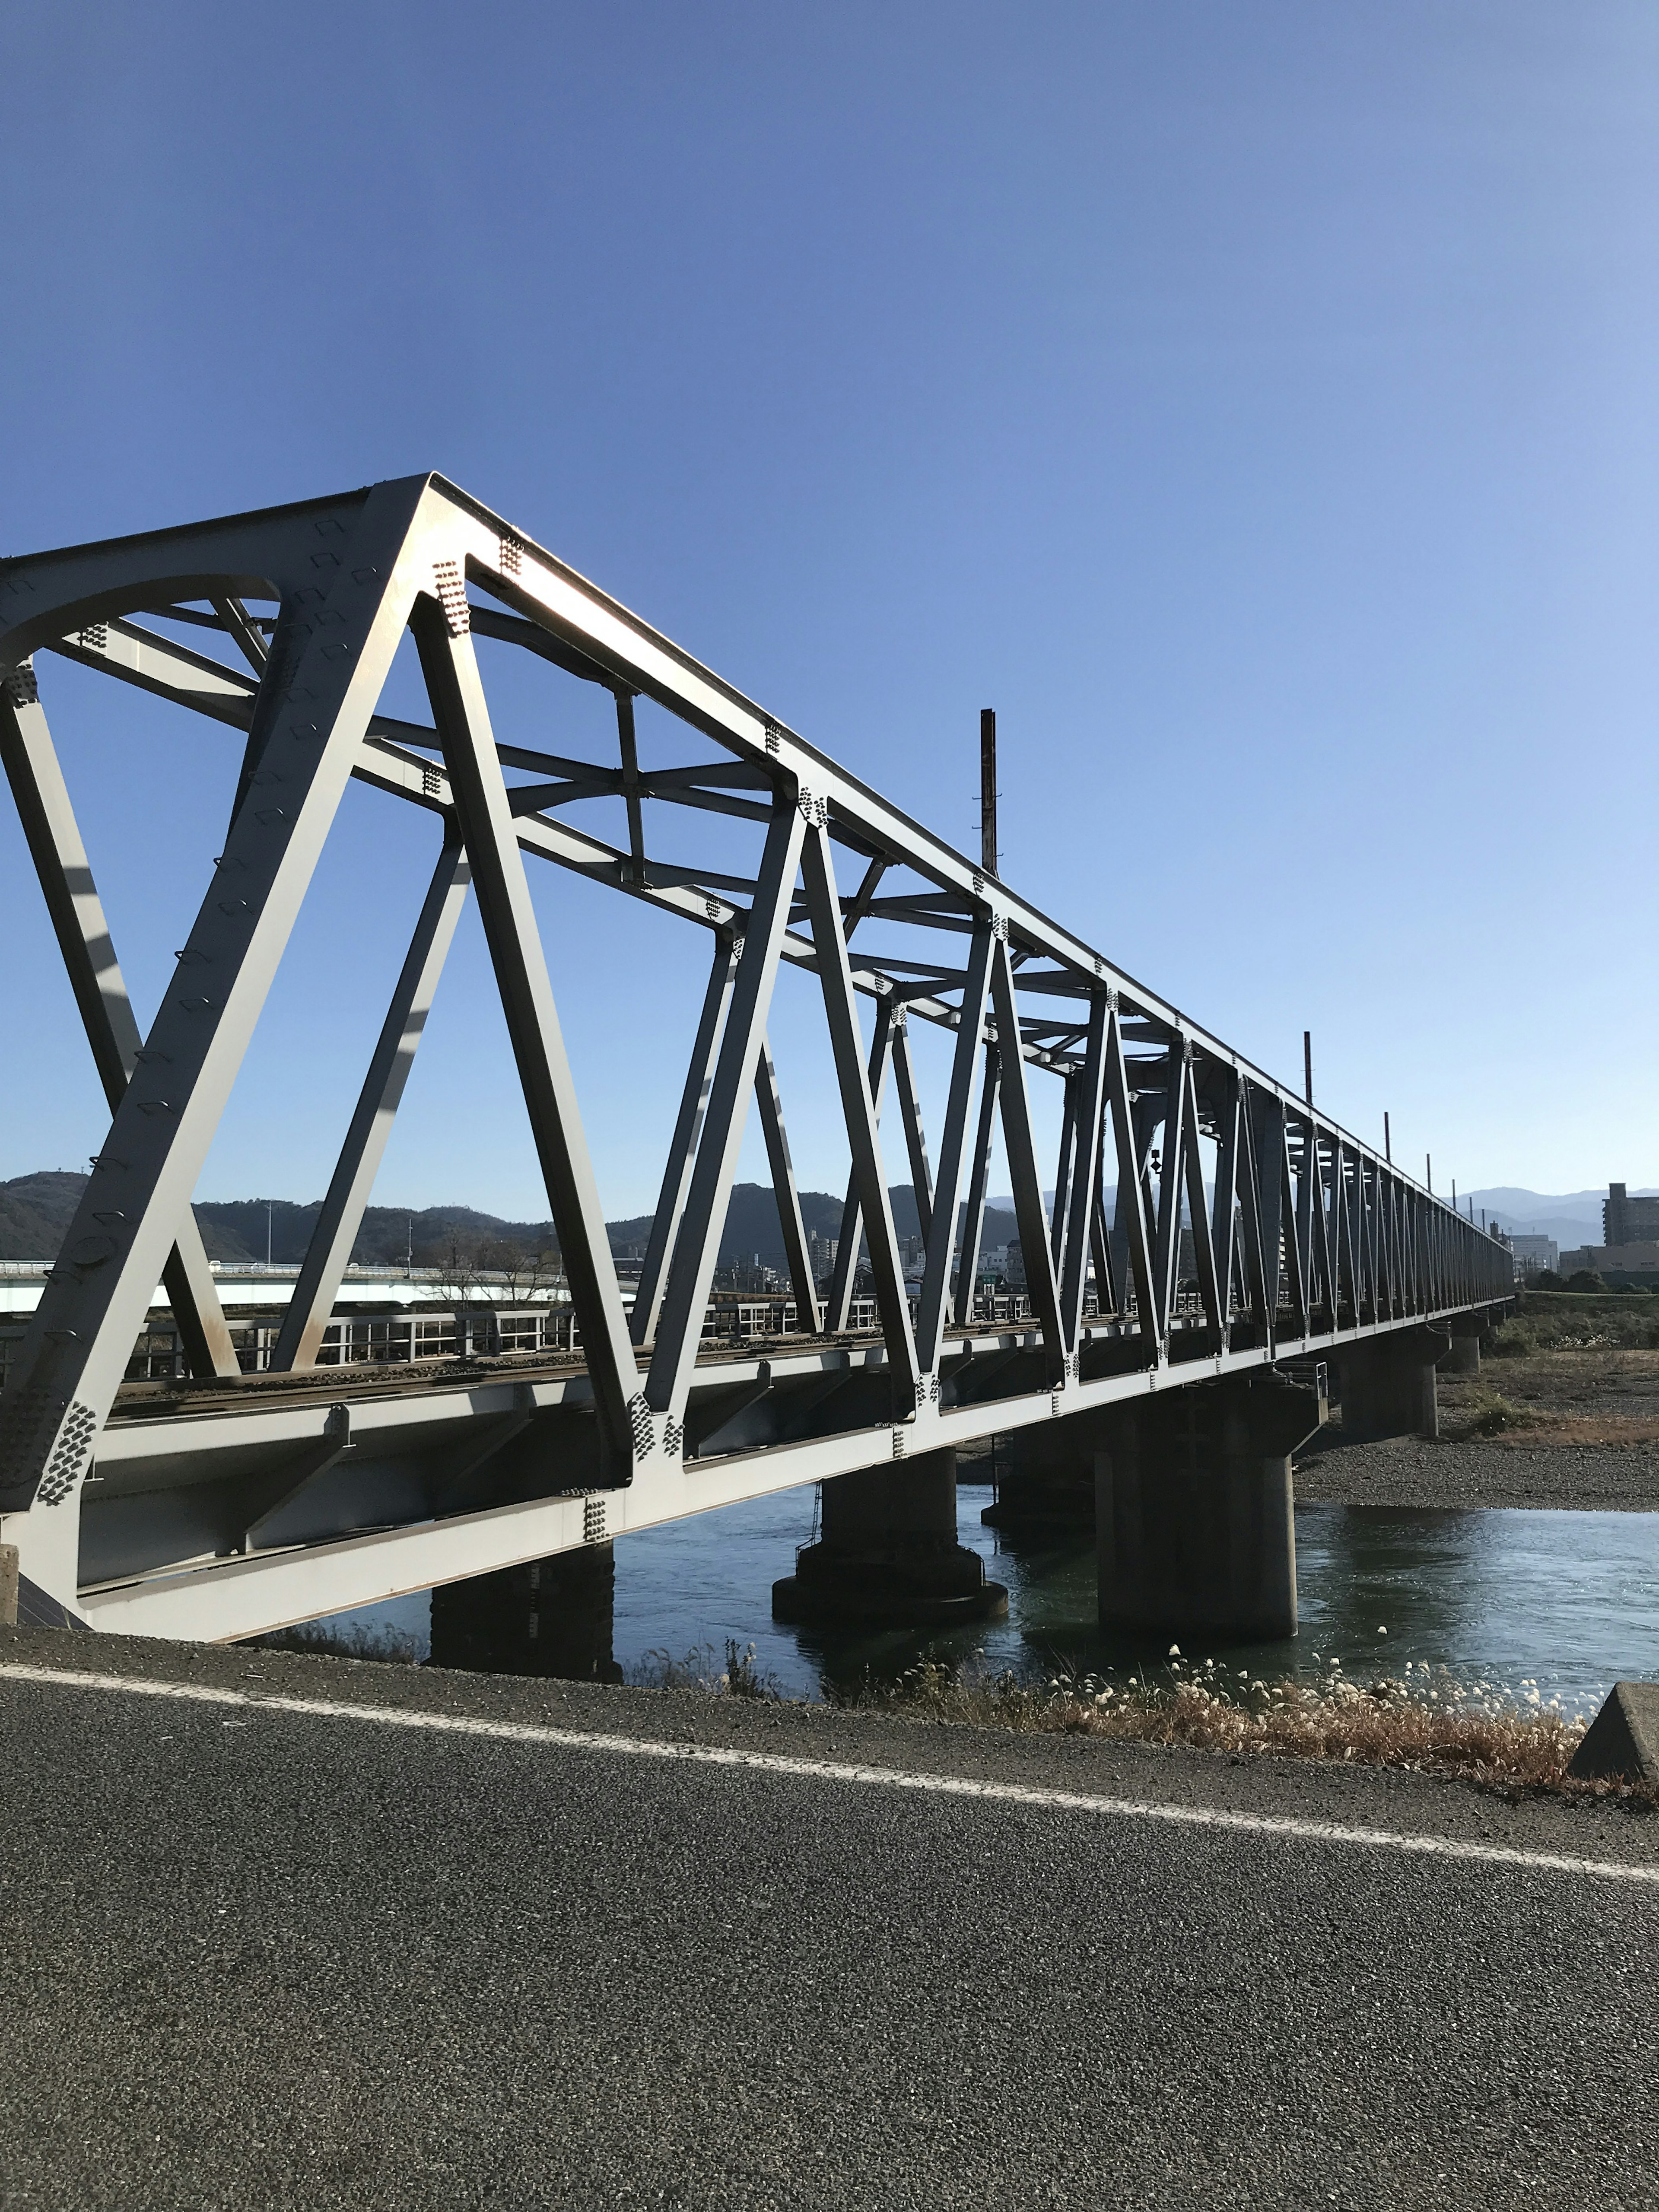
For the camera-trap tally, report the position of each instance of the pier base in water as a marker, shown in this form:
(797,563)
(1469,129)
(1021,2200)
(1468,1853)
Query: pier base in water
(550,1617)
(1195,1527)
(888,1555)
(1046,1477)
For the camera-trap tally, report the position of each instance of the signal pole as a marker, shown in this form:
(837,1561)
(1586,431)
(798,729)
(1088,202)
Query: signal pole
(987,789)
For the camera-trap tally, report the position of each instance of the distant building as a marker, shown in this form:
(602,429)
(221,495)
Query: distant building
(1614,1263)
(1627,1220)
(1533,1255)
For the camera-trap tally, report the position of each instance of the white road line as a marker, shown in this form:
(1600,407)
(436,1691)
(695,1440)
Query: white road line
(831,1770)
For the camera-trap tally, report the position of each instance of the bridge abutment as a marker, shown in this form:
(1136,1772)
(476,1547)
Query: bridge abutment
(551,1616)
(1387,1385)
(1194,1524)
(888,1556)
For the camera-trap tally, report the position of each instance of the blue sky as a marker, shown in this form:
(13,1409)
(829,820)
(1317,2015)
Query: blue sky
(1255,405)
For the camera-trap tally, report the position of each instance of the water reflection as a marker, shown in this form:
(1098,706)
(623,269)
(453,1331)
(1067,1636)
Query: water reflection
(1569,1600)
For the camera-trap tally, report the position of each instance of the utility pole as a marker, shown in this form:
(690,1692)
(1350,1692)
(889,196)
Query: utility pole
(1428,1171)
(1388,1142)
(268,1213)
(1307,1065)
(987,789)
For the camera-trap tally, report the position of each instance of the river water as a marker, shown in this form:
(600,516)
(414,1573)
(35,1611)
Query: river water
(1567,1600)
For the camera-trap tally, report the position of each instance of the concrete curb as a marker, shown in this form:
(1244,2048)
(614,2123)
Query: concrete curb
(1623,1740)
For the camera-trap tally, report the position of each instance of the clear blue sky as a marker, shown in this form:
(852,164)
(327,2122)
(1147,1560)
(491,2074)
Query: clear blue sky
(1256,405)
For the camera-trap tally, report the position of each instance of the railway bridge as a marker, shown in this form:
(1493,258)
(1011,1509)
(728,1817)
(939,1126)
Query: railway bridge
(221,1504)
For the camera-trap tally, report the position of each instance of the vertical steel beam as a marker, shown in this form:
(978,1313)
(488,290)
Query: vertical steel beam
(697,1248)
(979,1176)
(796,1256)
(630,774)
(1166,1250)
(1063,1166)
(1214,1288)
(1019,1142)
(1088,1103)
(683,1146)
(858,1107)
(1293,1245)
(1307,1184)
(1232,1179)
(953,1151)
(92,1308)
(329,1251)
(485,820)
(915,1137)
(1129,1233)
(1247,1174)
(845,1273)
(77,915)
(1108,1297)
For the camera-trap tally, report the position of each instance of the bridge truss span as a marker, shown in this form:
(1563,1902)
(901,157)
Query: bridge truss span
(234,1503)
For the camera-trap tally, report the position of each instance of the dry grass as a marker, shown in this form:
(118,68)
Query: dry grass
(1596,1397)
(1424,1722)
(1550,1323)
(699,1670)
(1573,1431)
(360,1641)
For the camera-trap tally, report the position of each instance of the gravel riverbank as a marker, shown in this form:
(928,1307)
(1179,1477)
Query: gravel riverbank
(1407,1471)
(1572,1424)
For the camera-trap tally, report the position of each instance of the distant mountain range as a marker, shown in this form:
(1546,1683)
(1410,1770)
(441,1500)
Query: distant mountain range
(36,1210)
(1571,1216)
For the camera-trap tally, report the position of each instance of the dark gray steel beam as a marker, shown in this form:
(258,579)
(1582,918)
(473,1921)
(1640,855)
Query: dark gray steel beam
(845,1272)
(859,1110)
(973,1220)
(796,1256)
(486,826)
(329,1252)
(1019,1142)
(683,1146)
(1084,1197)
(77,914)
(941,1234)
(697,1245)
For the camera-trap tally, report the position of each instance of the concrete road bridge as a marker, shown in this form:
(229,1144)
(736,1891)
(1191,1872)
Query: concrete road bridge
(222,1504)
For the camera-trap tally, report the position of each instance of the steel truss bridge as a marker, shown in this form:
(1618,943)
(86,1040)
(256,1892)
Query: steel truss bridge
(228,1505)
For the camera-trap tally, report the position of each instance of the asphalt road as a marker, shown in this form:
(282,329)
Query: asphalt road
(259,1958)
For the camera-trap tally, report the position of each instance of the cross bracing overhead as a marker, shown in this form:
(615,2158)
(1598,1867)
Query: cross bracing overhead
(282,626)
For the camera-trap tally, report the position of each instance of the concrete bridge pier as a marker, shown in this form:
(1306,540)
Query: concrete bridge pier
(1386,1385)
(1195,1532)
(551,1617)
(1463,1357)
(1046,1482)
(887,1555)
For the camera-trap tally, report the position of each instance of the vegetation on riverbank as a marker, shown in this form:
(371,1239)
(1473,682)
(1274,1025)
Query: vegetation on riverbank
(1422,1721)
(1573,1320)
(356,1639)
